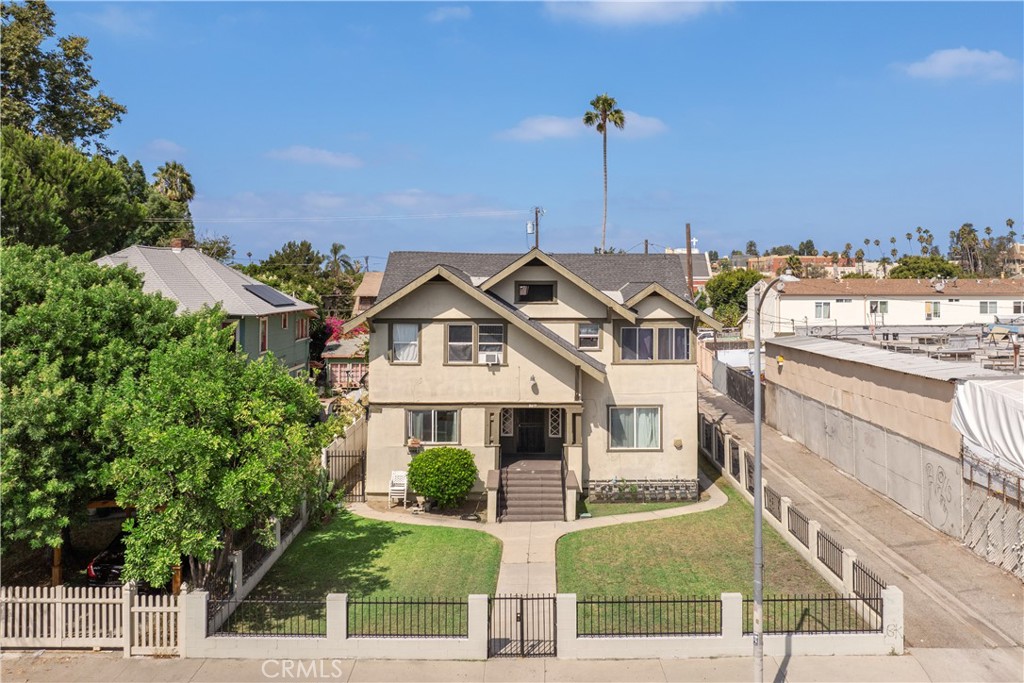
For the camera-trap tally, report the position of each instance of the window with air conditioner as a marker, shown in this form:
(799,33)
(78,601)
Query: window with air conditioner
(490,344)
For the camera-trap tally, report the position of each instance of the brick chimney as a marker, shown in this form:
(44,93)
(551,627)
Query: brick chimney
(179,243)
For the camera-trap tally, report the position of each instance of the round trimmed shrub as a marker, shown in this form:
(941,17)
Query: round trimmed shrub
(443,474)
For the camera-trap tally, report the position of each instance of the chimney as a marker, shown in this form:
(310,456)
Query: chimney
(179,243)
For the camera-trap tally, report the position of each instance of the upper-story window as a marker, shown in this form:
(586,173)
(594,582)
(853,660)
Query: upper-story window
(480,343)
(264,341)
(535,292)
(822,310)
(405,343)
(650,343)
(588,336)
(301,327)
(990,307)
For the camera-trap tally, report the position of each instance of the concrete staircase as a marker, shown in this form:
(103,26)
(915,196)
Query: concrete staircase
(531,493)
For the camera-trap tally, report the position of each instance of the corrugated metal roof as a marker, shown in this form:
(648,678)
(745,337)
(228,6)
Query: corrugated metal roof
(194,280)
(920,366)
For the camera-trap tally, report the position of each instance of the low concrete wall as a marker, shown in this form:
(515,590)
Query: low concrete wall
(336,644)
(732,642)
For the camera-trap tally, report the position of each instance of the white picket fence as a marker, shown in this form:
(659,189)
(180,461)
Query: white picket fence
(107,617)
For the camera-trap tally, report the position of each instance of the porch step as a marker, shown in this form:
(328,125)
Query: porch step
(531,495)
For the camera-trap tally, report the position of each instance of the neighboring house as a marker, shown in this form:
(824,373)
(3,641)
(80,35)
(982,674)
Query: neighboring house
(701,266)
(771,266)
(366,293)
(808,305)
(537,359)
(265,319)
(345,363)
(1015,260)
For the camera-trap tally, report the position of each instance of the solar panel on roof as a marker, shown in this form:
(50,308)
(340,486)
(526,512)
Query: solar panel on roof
(269,294)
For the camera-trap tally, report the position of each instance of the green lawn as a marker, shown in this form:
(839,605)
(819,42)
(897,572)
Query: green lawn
(371,559)
(702,554)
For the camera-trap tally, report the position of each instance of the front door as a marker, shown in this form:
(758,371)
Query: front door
(530,430)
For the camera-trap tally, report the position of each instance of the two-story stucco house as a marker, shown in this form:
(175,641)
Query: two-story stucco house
(265,319)
(534,360)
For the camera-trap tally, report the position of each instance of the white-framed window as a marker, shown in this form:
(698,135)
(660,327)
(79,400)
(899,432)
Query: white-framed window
(673,343)
(822,310)
(264,335)
(634,428)
(460,343)
(432,426)
(554,423)
(588,336)
(490,344)
(301,327)
(405,343)
(1018,307)
(284,321)
(988,307)
(932,310)
(507,423)
(637,343)
(881,307)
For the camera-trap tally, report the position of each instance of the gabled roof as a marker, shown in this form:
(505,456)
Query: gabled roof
(684,304)
(370,284)
(464,282)
(195,280)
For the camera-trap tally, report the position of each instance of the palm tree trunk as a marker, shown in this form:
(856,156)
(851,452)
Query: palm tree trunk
(604,219)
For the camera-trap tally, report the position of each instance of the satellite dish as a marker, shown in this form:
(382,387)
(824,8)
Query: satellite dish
(709,310)
(939,286)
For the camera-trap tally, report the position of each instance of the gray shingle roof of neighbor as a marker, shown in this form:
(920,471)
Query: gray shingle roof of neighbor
(194,280)
(623,273)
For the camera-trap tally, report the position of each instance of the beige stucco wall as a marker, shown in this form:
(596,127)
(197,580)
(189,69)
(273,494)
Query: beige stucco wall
(571,300)
(916,407)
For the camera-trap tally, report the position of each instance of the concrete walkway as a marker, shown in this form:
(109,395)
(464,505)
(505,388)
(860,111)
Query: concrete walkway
(528,548)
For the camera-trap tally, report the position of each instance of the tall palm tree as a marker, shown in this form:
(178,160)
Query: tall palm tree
(174,182)
(603,112)
(909,236)
(339,260)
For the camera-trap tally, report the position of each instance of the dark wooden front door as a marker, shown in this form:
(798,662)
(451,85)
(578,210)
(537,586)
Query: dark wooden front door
(530,430)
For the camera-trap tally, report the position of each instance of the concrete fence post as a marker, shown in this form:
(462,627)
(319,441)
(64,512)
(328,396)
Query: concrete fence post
(277,533)
(128,592)
(892,619)
(237,572)
(478,625)
(565,620)
(764,494)
(323,458)
(726,455)
(813,527)
(784,503)
(337,617)
(849,557)
(732,618)
(192,624)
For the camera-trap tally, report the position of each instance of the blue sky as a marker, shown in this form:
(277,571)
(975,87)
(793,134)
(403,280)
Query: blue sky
(439,125)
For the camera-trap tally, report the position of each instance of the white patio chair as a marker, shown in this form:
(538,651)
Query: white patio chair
(398,487)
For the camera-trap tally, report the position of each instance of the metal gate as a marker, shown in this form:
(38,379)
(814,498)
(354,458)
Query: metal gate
(347,469)
(521,626)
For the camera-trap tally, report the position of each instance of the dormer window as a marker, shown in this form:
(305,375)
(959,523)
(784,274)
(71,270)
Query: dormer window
(535,292)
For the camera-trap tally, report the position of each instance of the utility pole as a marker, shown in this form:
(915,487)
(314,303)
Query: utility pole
(646,252)
(537,213)
(366,260)
(689,260)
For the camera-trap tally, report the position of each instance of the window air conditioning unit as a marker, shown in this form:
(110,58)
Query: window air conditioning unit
(492,358)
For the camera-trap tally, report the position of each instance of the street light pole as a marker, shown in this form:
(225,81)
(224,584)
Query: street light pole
(758,492)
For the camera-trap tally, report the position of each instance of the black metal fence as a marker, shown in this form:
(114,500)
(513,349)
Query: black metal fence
(253,556)
(522,626)
(288,524)
(813,614)
(347,469)
(598,617)
(253,617)
(773,502)
(868,586)
(407,618)
(830,553)
(798,526)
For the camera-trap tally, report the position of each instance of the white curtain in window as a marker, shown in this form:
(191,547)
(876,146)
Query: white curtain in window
(404,339)
(647,428)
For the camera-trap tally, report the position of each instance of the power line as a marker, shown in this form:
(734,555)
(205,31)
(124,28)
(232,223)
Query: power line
(322,219)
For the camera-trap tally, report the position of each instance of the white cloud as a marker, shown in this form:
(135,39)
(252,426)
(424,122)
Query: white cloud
(300,154)
(964,63)
(450,13)
(629,13)
(535,128)
(165,148)
(123,20)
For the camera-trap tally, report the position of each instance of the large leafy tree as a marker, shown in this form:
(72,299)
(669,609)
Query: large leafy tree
(53,194)
(924,267)
(70,330)
(51,91)
(297,269)
(604,110)
(726,293)
(210,444)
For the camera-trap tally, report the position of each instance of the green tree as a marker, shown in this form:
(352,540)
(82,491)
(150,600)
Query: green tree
(51,91)
(604,110)
(752,248)
(297,269)
(174,182)
(53,194)
(70,330)
(210,444)
(806,248)
(729,289)
(910,267)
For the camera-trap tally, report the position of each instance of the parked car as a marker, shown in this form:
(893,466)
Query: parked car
(105,568)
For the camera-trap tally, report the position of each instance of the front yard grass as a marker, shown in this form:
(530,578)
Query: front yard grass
(703,554)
